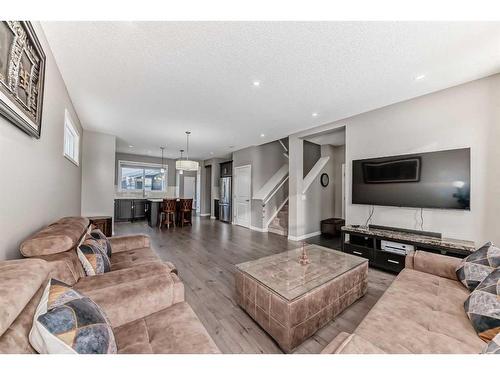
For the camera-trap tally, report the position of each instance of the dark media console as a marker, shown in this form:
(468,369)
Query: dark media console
(366,242)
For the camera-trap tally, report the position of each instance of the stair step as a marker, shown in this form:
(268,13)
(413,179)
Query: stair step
(281,232)
(279,225)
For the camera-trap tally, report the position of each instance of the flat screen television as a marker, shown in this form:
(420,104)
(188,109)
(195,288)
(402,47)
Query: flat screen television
(438,179)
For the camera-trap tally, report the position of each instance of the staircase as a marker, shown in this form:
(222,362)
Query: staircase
(279,224)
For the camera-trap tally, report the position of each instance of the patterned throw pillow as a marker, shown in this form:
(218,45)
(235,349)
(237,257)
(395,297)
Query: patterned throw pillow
(483,307)
(99,236)
(93,257)
(477,266)
(67,322)
(494,346)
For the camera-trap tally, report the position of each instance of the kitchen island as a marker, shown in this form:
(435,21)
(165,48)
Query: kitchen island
(153,212)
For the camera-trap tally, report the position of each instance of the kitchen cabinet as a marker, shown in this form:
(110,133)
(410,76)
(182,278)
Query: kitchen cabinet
(130,209)
(139,209)
(226,169)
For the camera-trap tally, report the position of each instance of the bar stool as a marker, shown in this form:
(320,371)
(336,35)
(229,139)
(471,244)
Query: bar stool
(186,209)
(168,212)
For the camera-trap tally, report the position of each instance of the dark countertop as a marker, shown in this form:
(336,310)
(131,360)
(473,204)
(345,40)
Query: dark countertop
(445,243)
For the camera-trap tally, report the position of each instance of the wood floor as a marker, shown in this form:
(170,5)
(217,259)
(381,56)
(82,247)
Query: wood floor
(205,255)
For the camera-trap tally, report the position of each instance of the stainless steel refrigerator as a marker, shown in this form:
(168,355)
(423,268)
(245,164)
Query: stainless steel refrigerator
(225,199)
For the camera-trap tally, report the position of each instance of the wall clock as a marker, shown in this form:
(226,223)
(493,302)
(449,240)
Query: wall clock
(324,179)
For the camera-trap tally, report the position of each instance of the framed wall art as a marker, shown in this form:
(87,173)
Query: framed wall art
(22,73)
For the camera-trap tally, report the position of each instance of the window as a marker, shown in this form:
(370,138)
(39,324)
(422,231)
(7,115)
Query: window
(71,140)
(143,177)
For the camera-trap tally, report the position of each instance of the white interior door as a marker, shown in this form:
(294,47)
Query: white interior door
(190,188)
(242,195)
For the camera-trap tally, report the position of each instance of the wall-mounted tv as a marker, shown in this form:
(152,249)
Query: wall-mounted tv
(438,179)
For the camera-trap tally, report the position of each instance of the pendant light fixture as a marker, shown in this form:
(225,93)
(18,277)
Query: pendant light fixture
(181,171)
(162,163)
(186,164)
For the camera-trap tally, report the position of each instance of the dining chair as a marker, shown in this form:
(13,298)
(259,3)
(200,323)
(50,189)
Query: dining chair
(186,209)
(168,213)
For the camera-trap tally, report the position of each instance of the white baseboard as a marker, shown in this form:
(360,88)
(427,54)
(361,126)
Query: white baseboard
(257,229)
(304,236)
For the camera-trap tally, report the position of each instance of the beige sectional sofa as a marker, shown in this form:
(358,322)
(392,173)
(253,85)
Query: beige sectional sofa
(142,296)
(421,312)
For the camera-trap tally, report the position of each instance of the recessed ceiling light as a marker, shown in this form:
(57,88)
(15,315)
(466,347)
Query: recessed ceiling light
(211,152)
(262,135)
(314,114)
(256,83)
(131,146)
(421,76)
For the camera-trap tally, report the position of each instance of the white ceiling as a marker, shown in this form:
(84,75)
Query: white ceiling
(148,82)
(334,138)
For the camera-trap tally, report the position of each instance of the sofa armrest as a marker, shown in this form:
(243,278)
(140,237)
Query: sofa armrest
(435,264)
(127,243)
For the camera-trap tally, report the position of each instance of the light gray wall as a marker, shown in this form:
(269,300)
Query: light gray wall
(312,153)
(147,159)
(206,188)
(492,164)
(319,201)
(265,160)
(214,190)
(40,185)
(296,205)
(215,181)
(98,169)
(463,116)
(336,178)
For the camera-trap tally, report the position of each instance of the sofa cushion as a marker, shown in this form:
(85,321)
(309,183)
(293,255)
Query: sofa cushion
(19,282)
(131,258)
(478,265)
(483,307)
(99,236)
(493,346)
(421,313)
(92,255)
(175,330)
(58,237)
(66,321)
(133,294)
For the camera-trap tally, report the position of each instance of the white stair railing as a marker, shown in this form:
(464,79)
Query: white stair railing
(264,202)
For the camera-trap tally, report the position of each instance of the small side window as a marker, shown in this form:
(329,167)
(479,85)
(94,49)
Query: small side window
(71,140)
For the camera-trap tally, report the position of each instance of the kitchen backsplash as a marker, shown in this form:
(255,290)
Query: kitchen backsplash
(170,193)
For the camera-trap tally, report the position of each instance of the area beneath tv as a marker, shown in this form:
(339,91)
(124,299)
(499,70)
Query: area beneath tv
(366,242)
